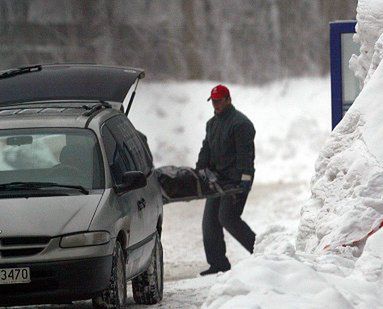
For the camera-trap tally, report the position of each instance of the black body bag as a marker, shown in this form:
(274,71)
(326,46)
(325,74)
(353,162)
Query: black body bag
(184,184)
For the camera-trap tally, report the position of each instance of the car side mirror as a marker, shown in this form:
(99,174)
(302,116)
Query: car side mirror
(131,181)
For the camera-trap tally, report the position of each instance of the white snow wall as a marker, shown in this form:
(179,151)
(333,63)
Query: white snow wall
(347,186)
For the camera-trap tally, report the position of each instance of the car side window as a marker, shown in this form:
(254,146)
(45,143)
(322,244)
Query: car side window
(132,144)
(115,157)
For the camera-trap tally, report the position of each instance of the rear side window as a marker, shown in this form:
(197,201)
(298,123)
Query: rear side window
(117,163)
(136,153)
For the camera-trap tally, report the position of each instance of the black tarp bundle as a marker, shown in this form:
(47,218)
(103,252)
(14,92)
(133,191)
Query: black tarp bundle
(185,184)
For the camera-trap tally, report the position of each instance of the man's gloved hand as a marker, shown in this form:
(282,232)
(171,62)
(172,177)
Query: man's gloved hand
(245,185)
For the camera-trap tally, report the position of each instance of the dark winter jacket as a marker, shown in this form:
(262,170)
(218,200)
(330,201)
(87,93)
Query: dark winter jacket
(228,147)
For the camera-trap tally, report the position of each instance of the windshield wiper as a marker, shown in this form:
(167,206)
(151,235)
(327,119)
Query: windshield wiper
(11,186)
(22,70)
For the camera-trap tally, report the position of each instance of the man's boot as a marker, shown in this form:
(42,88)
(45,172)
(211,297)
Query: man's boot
(215,270)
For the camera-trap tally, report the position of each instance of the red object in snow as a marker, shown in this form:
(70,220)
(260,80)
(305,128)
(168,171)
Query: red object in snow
(355,242)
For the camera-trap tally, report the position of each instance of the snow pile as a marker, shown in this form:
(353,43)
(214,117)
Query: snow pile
(346,204)
(273,280)
(301,280)
(347,188)
(370,264)
(369,36)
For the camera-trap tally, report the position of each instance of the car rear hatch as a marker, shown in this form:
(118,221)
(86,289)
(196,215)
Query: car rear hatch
(83,82)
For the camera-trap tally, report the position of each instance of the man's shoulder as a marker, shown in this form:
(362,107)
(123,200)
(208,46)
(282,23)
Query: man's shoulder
(212,119)
(242,118)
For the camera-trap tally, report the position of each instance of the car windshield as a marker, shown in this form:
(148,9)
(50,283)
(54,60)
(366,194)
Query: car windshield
(51,155)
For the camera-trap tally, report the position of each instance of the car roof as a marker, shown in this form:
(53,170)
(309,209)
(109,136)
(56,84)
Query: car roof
(53,114)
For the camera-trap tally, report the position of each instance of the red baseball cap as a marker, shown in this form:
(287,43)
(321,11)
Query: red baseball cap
(219,92)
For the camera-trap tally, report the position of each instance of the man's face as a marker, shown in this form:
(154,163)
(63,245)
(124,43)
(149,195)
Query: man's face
(220,105)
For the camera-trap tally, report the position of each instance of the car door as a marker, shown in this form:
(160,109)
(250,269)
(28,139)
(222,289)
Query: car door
(142,156)
(119,164)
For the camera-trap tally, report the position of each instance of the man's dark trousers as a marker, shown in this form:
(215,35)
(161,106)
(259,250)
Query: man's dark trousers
(224,212)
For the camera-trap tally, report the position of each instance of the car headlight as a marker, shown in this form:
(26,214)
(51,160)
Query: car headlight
(85,239)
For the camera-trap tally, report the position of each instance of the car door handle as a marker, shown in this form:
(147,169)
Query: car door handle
(141,204)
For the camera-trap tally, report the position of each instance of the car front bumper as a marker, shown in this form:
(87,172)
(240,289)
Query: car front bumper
(58,282)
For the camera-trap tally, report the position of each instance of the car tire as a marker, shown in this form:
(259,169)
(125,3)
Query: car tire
(148,287)
(115,295)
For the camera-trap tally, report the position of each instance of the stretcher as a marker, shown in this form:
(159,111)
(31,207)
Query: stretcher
(185,184)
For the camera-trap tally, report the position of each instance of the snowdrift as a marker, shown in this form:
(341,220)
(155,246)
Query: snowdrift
(347,187)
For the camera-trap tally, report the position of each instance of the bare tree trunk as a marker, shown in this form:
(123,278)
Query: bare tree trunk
(191,46)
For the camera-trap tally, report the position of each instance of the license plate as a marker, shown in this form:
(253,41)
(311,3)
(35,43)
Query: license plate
(15,275)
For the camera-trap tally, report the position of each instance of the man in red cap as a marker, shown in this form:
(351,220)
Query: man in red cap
(228,150)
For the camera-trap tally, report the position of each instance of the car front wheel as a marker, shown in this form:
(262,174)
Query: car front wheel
(115,295)
(148,287)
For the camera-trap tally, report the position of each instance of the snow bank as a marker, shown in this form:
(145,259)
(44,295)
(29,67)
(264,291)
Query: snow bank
(299,280)
(347,186)
(370,264)
(369,36)
(276,275)
(274,280)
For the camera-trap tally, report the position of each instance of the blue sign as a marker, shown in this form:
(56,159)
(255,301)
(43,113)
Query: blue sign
(344,85)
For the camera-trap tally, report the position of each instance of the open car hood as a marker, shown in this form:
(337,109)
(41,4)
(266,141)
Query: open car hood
(67,82)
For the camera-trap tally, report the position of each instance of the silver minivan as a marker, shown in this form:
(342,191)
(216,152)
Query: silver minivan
(80,205)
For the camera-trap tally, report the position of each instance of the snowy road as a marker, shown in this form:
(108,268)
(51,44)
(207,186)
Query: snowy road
(183,249)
